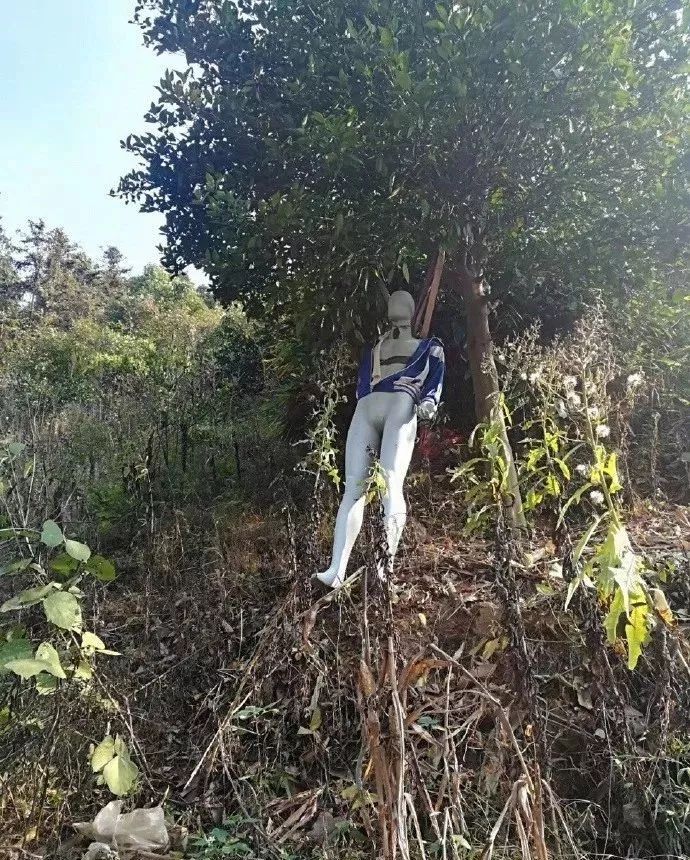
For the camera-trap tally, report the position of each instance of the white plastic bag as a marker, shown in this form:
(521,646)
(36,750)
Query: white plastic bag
(102,828)
(141,829)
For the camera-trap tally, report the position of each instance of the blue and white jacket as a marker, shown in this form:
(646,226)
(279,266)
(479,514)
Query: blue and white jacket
(421,378)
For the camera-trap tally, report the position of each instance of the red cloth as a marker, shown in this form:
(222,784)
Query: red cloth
(435,443)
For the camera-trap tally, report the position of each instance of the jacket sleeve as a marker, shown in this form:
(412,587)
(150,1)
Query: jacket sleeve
(433,384)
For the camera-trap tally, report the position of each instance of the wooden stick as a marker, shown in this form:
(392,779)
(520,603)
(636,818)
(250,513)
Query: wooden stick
(433,292)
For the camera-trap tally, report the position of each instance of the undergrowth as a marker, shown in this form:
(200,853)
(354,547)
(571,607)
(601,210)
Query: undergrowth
(500,697)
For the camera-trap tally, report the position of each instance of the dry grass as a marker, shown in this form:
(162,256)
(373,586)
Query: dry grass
(394,723)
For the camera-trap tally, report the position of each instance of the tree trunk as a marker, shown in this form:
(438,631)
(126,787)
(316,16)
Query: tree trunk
(485,381)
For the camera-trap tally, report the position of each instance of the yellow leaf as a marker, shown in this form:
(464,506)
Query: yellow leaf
(661,605)
(553,488)
(614,614)
(490,648)
(315,722)
(103,753)
(611,469)
(636,632)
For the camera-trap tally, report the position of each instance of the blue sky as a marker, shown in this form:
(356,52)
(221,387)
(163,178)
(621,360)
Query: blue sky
(77,79)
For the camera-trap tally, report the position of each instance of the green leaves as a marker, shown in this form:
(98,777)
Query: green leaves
(45,660)
(63,610)
(47,654)
(28,597)
(52,534)
(111,758)
(92,644)
(120,774)
(78,551)
(26,668)
(12,651)
(102,754)
(615,572)
(100,568)
(64,564)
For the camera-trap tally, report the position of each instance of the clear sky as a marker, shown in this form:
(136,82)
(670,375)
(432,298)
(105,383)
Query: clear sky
(76,79)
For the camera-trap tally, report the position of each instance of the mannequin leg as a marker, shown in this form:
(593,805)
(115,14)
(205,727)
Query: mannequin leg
(363,437)
(399,433)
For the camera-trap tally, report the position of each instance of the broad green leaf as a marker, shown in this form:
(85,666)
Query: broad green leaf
(102,569)
(611,469)
(15,566)
(52,534)
(614,553)
(15,649)
(534,456)
(120,774)
(47,653)
(83,671)
(26,668)
(91,641)
(63,610)
(103,753)
(16,448)
(64,564)
(28,597)
(78,551)
(386,37)
(92,644)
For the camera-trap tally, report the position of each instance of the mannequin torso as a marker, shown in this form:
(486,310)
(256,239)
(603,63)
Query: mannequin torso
(395,352)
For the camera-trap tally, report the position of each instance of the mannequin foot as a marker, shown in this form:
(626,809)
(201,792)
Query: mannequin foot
(330,578)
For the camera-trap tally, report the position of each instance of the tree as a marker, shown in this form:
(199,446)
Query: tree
(56,276)
(9,286)
(312,150)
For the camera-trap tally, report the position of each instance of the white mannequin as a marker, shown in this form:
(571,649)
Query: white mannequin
(384,424)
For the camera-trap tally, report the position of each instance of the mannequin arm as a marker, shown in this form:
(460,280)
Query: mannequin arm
(433,384)
(426,411)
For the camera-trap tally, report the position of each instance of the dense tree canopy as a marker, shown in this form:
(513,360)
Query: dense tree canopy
(311,151)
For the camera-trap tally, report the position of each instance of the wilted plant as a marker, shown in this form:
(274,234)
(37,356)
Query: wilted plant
(484,478)
(567,466)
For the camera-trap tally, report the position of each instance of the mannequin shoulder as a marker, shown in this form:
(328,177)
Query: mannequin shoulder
(433,343)
(435,347)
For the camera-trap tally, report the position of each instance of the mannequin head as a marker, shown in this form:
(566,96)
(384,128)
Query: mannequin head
(400,308)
